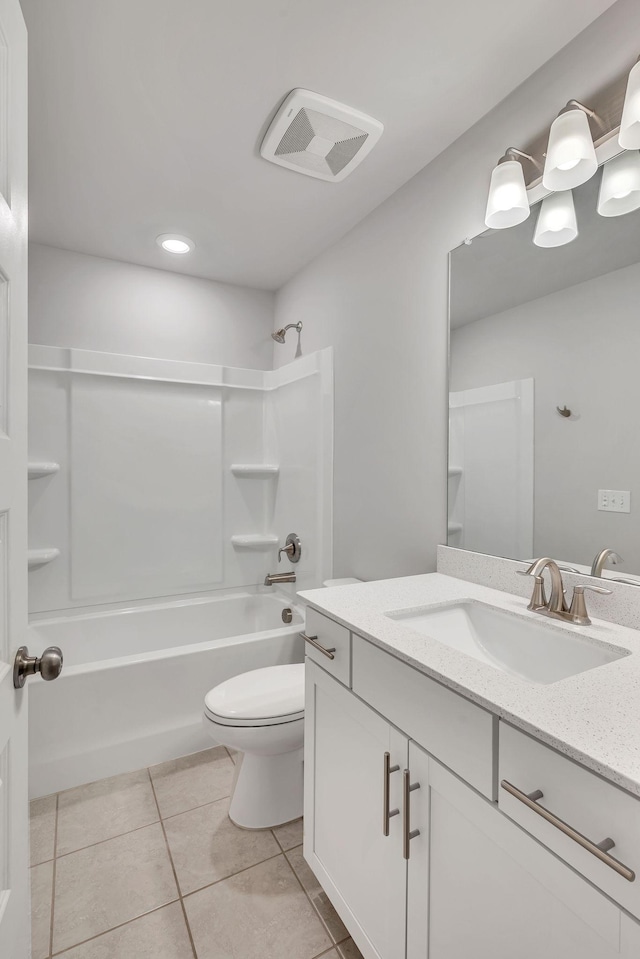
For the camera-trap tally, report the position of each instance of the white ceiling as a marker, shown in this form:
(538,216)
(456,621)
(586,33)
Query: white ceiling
(147,115)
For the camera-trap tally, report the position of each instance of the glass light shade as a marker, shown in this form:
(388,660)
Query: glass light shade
(556,221)
(571,155)
(629,137)
(508,203)
(620,186)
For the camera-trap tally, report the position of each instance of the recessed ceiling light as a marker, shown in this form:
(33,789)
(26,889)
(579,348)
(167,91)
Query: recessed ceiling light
(174,243)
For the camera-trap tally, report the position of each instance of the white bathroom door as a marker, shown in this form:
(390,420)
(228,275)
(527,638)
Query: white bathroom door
(14,837)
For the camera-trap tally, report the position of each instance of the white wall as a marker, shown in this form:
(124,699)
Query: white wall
(581,345)
(94,304)
(379,297)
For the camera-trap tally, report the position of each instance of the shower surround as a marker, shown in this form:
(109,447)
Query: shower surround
(169,485)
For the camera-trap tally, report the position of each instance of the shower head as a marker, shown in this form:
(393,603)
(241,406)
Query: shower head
(279,335)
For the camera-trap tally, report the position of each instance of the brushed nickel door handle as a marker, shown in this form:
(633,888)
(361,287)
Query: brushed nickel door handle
(313,641)
(408,833)
(49,665)
(598,849)
(387,813)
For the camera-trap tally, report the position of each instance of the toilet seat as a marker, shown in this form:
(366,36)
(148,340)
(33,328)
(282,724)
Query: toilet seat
(263,697)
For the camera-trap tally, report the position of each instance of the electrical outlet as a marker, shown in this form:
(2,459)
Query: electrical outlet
(614,500)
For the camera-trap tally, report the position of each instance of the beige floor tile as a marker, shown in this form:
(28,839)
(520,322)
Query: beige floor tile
(261,913)
(41,889)
(234,753)
(289,835)
(206,846)
(349,950)
(42,827)
(104,809)
(160,935)
(194,780)
(317,895)
(107,884)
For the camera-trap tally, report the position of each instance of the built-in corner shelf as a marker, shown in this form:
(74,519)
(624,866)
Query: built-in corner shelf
(254,541)
(40,557)
(455,471)
(255,470)
(36,470)
(454,527)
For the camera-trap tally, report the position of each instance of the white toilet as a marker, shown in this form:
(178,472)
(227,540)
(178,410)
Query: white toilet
(261,714)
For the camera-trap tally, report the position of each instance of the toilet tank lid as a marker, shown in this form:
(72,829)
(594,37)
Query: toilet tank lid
(260,694)
(347,581)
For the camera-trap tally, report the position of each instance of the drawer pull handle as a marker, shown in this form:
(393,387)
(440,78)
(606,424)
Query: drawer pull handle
(598,849)
(387,813)
(409,833)
(313,641)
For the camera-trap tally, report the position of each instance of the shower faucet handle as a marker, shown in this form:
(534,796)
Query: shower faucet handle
(293,548)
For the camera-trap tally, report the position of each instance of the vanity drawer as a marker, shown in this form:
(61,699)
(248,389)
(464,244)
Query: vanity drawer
(458,733)
(332,637)
(585,810)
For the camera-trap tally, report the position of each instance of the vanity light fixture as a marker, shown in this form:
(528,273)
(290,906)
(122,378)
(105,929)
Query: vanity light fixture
(557,223)
(508,203)
(174,243)
(571,155)
(620,185)
(629,137)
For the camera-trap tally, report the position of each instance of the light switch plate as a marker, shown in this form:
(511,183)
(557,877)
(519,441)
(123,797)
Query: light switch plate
(614,500)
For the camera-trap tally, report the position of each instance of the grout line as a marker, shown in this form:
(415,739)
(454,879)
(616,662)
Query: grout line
(101,842)
(230,756)
(232,875)
(175,874)
(313,906)
(174,815)
(120,925)
(53,879)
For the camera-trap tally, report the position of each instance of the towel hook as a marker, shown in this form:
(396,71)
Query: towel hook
(564,411)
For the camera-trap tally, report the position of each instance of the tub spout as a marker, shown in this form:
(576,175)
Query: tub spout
(272,579)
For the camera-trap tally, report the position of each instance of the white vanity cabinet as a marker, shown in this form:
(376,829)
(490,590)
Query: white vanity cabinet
(475,882)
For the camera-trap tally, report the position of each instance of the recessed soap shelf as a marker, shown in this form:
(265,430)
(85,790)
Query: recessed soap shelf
(255,470)
(254,541)
(40,557)
(36,470)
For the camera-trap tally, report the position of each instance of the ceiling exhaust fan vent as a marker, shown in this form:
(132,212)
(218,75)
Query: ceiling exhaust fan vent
(319,137)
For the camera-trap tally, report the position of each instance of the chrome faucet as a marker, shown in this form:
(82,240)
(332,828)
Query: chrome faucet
(603,556)
(273,579)
(556,605)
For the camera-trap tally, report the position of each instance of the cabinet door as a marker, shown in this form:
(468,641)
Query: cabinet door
(491,891)
(361,870)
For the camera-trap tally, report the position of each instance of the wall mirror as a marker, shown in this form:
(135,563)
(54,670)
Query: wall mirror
(544,413)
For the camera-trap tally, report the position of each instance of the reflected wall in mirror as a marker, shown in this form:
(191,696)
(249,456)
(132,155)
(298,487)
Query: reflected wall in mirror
(536,333)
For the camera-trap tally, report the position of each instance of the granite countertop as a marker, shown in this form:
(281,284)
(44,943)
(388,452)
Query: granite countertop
(593,717)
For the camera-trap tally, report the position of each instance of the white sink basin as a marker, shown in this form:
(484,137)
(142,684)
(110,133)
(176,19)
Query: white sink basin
(538,651)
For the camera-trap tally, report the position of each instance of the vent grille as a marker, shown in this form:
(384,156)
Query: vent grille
(320,143)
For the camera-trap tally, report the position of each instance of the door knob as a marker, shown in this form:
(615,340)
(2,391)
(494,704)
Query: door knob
(49,665)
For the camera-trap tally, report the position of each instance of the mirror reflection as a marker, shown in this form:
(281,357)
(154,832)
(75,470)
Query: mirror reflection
(544,448)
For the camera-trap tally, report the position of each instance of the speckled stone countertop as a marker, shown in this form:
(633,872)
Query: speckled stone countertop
(593,717)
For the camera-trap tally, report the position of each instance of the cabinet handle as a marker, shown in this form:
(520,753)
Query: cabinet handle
(408,833)
(313,641)
(386,812)
(598,849)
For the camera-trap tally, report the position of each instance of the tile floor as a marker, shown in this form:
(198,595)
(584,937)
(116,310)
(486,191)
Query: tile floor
(148,866)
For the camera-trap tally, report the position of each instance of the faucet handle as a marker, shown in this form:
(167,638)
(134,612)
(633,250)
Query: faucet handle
(578,610)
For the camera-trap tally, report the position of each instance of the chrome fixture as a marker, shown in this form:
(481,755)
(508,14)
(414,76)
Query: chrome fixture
(279,335)
(293,548)
(49,665)
(556,605)
(603,557)
(598,849)
(564,411)
(287,615)
(313,641)
(273,579)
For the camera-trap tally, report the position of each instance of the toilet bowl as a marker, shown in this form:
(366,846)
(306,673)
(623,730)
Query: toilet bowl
(261,714)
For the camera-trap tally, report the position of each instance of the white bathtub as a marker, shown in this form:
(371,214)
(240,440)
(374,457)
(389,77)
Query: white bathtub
(133,682)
